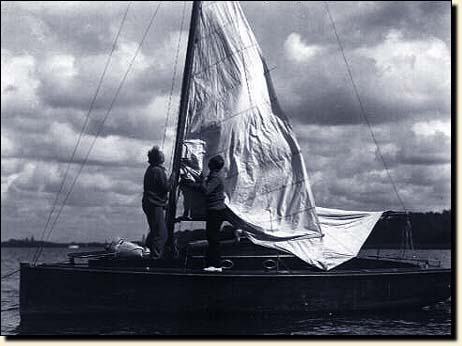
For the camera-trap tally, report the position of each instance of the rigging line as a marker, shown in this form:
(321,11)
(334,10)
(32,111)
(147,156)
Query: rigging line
(175,66)
(186,122)
(106,116)
(10,274)
(87,118)
(361,106)
(101,125)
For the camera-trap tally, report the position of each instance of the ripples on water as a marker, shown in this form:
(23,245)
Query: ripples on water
(433,320)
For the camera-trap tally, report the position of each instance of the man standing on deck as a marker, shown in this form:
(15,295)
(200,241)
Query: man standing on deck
(217,212)
(156,187)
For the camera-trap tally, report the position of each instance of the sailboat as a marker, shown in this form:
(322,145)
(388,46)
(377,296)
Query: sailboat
(293,256)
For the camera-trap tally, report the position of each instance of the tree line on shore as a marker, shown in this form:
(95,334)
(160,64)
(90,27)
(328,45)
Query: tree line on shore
(429,230)
(31,242)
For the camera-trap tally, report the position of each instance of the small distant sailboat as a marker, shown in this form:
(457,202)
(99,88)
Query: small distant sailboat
(296,257)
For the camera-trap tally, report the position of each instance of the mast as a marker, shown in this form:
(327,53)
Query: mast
(171,210)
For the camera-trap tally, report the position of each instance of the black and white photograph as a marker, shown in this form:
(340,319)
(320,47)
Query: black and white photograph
(220,169)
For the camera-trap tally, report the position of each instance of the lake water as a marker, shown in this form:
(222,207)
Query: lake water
(433,320)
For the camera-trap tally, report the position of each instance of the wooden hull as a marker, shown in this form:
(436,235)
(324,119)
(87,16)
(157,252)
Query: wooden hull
(73,290)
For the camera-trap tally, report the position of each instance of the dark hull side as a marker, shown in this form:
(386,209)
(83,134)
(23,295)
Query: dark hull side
(72,290)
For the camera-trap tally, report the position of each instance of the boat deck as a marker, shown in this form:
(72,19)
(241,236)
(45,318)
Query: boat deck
(238,258)
(240,265)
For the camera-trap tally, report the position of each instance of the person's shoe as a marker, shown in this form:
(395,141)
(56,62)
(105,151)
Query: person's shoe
(213,269)
(146,252)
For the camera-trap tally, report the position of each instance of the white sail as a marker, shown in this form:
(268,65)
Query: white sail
(233,109)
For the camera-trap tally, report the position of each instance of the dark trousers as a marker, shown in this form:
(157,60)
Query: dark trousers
(157,236)
(212,229)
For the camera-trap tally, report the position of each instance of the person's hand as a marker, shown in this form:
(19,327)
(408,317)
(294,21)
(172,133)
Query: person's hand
(183,162)
(237,234)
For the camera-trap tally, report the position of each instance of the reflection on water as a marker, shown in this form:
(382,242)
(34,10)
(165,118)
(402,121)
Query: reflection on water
(433,320)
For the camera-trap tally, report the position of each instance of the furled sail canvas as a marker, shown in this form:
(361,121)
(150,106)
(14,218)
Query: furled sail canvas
(234,110)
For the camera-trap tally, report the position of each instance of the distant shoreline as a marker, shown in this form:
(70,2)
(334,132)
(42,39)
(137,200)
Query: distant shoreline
(20,244)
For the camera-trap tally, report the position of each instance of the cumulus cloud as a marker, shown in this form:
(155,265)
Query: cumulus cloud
(7,146)
(415,73)
(18,83)
(299,51)
(397,79)
(58,143)
(345,167)
(432,127)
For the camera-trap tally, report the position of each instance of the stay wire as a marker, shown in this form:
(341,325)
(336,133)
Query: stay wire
(101,125)
(175,66)
(84,126)
(10,274)
(362,108)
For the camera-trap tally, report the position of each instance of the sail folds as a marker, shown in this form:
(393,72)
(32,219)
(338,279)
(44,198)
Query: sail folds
(344,232)
(234,110)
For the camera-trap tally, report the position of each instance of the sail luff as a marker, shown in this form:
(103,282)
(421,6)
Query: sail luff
(171,211)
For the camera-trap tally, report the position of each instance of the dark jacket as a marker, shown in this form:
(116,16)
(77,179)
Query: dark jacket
(156,186)
(213,189)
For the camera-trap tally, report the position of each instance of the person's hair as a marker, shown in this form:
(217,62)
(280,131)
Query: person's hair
(156,156)
(216,163)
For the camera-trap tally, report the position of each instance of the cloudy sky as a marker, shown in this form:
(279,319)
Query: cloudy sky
(53,55)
